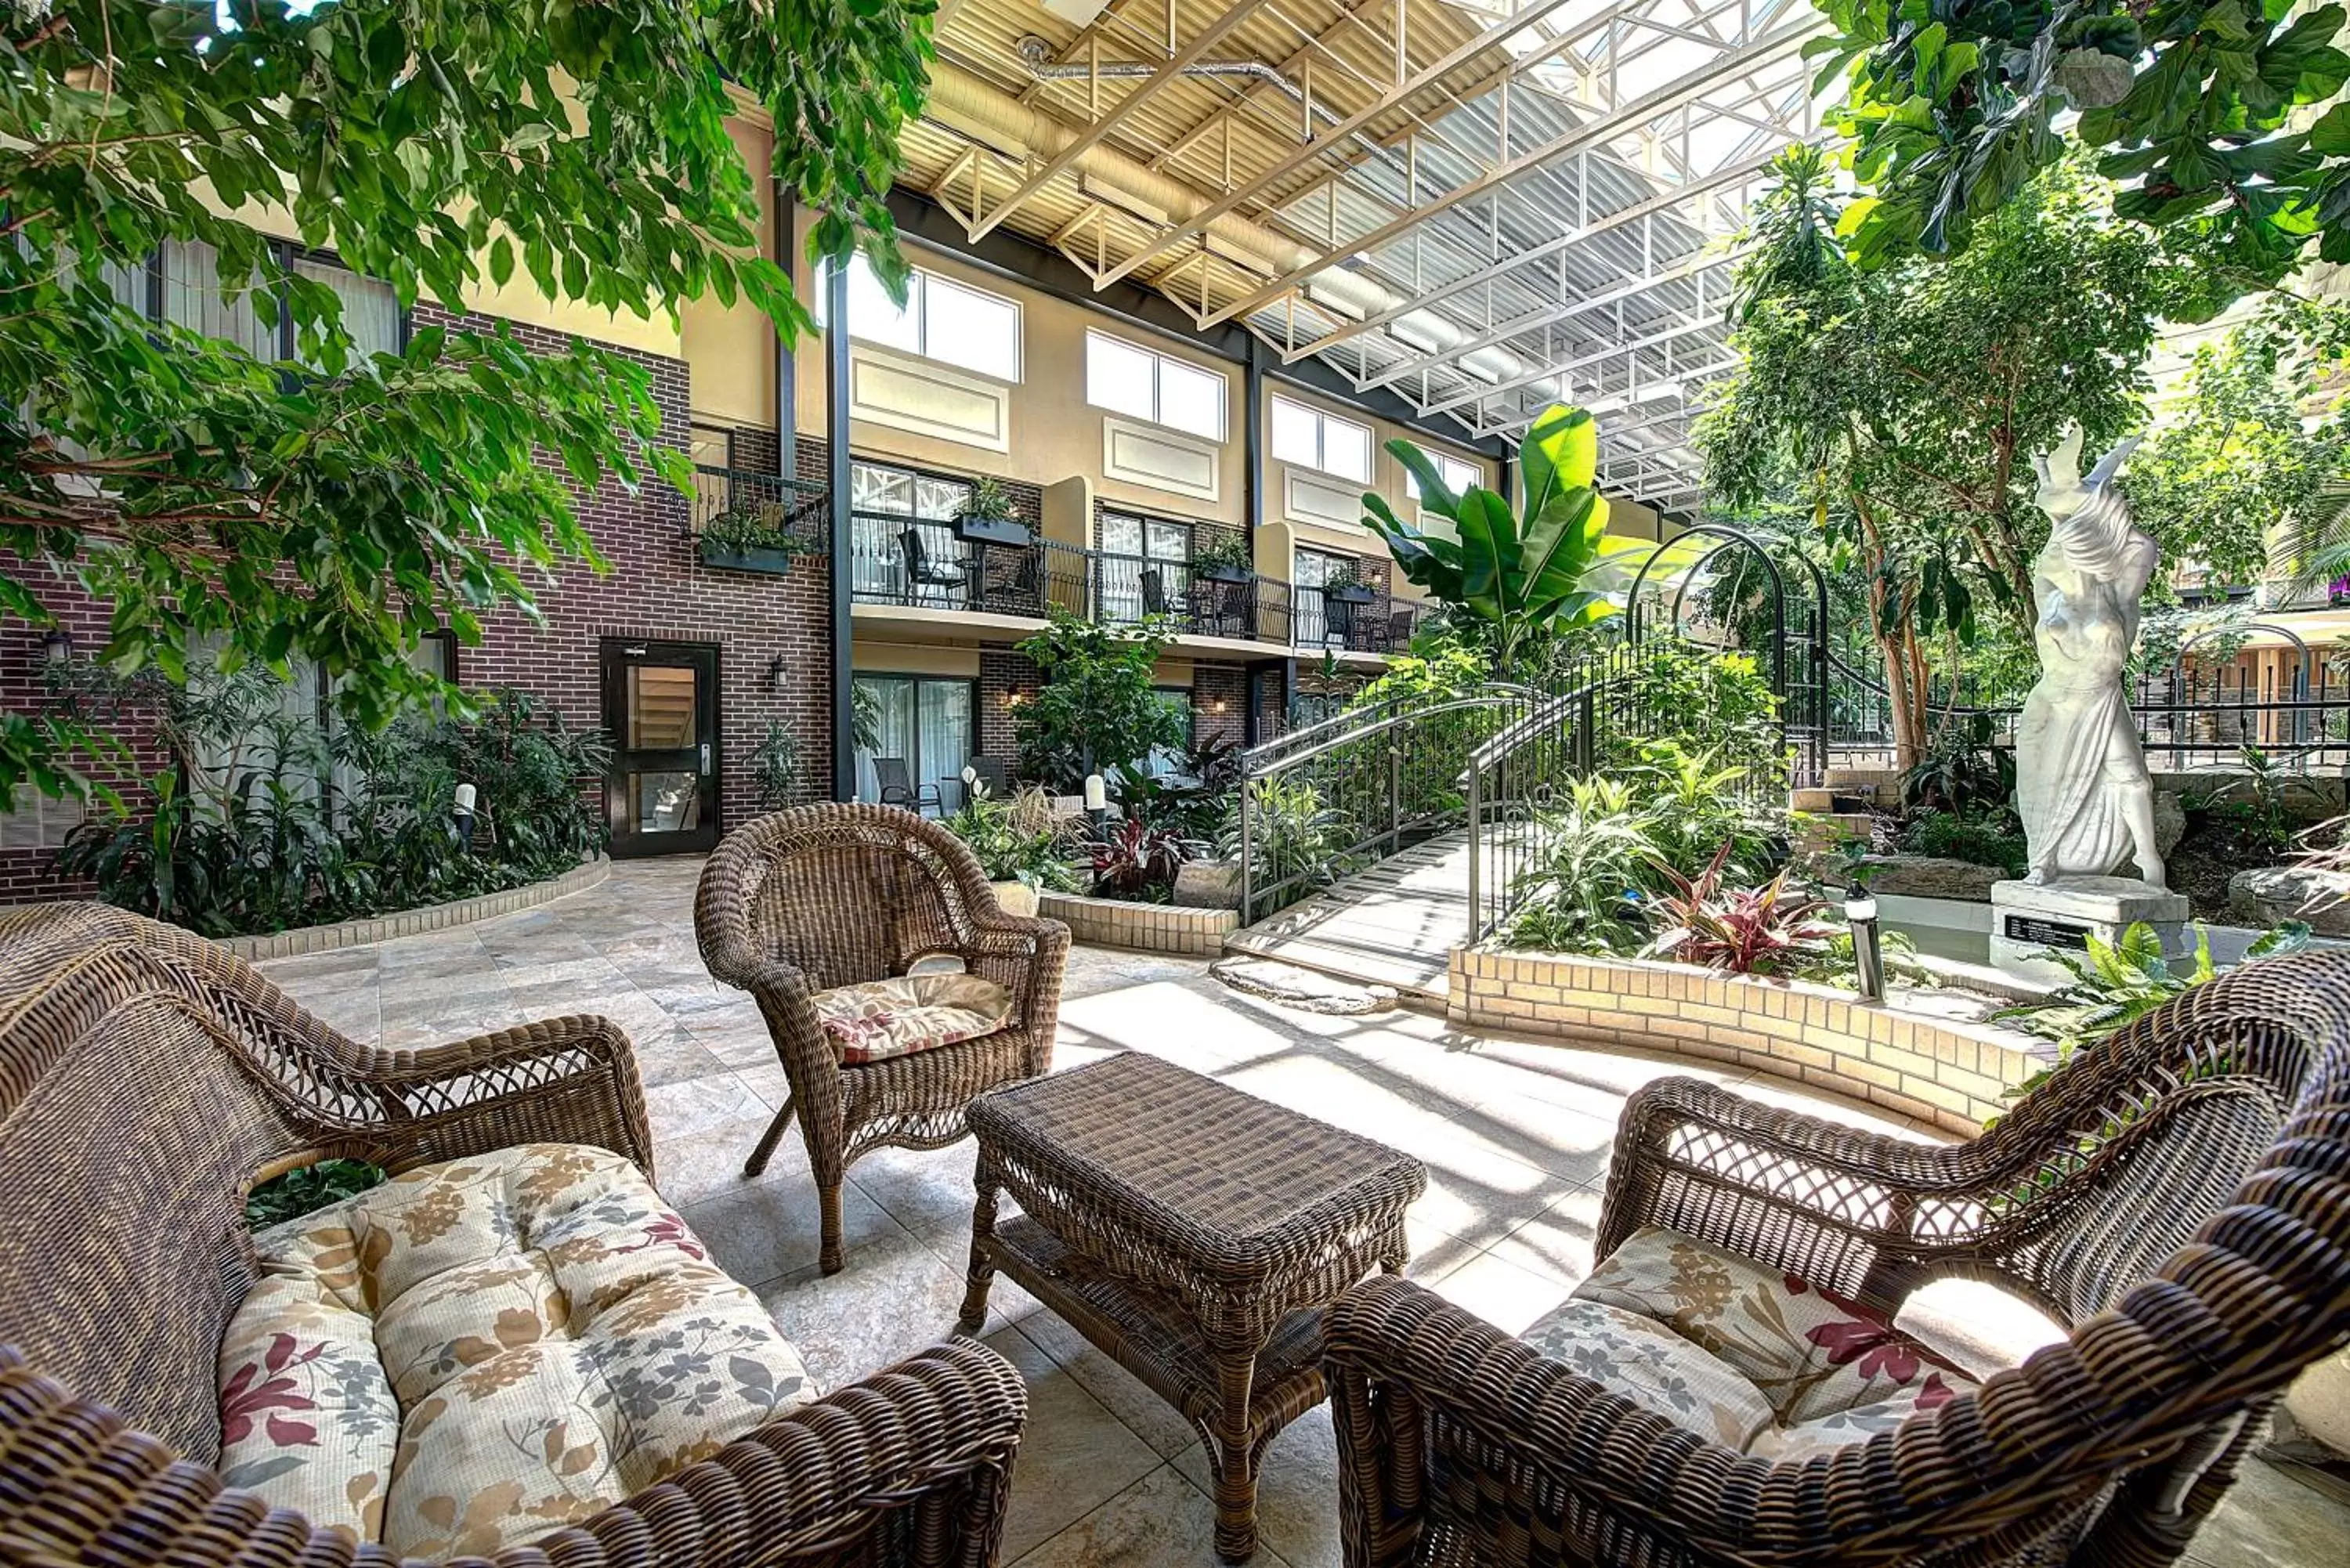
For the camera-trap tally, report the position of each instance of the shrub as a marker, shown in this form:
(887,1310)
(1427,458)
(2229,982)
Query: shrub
(1985,840)
(1099,709)
(2116,983)
(775,766)
(1962,772)
(1192,804)
(1599,862)
(1296,840)
(1768,930)
(1135,861)
(1016,839)
(307,1191)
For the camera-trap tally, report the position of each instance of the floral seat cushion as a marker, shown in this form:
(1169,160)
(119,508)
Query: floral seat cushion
(884,1018)
(1757,1360)
(483,1349)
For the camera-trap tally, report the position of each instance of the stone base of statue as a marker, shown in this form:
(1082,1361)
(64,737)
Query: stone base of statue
(2028,923)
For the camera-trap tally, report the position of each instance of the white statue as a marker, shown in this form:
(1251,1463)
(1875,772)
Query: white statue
(2082,786)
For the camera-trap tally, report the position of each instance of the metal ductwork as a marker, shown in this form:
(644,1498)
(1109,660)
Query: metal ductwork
(968,104)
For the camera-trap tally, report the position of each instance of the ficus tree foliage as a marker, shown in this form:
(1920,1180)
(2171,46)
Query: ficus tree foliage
(1900,406)
(335,507)
(1953,106)
(1520,582)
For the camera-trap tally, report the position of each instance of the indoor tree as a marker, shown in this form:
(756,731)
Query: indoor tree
(1953,110)
(1099,710)
(1519,583)
(337,507)
(1899,407)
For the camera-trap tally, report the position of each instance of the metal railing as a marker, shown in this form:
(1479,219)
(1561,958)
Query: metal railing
(790,508)
(1376,626)
(922,563)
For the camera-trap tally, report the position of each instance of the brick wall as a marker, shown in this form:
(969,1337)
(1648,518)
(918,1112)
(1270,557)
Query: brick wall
(1218,702)
(1004,675)
(1271,707)
(656,589)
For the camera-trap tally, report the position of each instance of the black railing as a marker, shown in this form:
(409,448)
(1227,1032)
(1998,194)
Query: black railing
(786,508)
(1349,625)
(1248,610)
(922,563)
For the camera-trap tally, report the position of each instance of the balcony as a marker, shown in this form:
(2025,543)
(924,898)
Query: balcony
(922,568)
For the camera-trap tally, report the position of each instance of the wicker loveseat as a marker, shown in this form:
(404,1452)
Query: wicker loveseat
(2178,1197)
(821,913)
(516,1312)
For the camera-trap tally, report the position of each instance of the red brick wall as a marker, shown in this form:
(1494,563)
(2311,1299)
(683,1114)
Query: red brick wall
(1004,675)
(657,588)
(1216,687)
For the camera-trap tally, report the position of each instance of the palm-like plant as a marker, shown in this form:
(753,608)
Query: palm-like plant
(1521,582)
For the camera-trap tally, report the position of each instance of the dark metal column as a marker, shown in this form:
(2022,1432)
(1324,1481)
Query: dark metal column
(787,376)
(836,432)
(1252,435)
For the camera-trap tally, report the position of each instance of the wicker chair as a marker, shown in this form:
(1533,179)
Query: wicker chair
(146,1078)
(2180,1197)
(826,896)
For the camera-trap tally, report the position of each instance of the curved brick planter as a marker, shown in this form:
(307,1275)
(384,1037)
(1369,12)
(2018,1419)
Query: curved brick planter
(1153,928)
(415,922)
(1938,1070)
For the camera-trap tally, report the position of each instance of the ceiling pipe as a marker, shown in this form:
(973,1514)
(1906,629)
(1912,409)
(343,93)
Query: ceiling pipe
(964,102)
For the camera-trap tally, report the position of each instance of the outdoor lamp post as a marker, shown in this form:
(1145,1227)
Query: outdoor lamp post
(1096,801)
(1860,910)
(461,808)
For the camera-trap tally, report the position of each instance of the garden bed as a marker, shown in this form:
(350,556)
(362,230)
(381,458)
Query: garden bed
(1150,928)
(415,922)
(1939,1070)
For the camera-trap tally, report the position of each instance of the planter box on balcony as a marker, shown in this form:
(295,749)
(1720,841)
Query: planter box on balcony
(992,531)
(776,562)
(1223,574)
(1347,594)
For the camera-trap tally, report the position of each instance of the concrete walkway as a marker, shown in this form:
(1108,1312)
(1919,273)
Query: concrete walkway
(1395,924)
(1516,1135)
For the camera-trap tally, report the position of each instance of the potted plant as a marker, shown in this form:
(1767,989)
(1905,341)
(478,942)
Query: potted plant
(751,536)
(1345,585)
(987,519)
(1023,849)
(1221,556)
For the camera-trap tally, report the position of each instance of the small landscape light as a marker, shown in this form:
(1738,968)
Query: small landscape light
(461,809)
(776,674)
(58,646)
(1868,957)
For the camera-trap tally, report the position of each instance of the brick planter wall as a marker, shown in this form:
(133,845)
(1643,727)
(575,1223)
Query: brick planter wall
(1151,927)
(415,922)
(1948,1074)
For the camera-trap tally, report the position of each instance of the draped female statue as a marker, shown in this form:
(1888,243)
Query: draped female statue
(2082,786)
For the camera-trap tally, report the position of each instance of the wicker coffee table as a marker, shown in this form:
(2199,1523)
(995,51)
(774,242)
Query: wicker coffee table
(1192,1232)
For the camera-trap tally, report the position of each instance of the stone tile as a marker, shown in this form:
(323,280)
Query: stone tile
(763,1231)
(1160,1521)
(2271,1517)
(1124,1394)
(894,1297)
(1074,1456)
(704,1128)
(1296,1490)
(928,1192)
(1505,1293)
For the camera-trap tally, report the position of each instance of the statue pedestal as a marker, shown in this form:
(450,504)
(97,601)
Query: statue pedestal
(2028,923)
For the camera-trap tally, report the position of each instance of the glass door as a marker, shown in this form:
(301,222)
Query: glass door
(660,706)
(925,723)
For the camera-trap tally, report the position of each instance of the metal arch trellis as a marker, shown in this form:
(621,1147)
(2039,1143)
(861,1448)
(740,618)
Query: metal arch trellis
(1804,701)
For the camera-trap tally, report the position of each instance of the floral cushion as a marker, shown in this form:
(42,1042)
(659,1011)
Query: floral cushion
(1817,1371)
(483,1349)
(885,1017)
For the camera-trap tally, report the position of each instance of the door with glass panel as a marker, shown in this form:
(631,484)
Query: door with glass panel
(1131,545)
(660,706)
(885,504)
(925,722)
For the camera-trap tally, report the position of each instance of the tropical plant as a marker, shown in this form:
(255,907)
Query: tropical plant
(2115,984)
(1099,709)
(1191,803)
(328,506)
(864,718)
(1296,839)
(1962,771)
(1695,809)
(1717,703)
(308,1190)
(2192,102)
(775,766)
(989,502)
(1133,859)
(750,526)
(1522,584)
(1599,861)
(2253,801)
(1897,409)
(1768,930)
(1017,838)
(1985,836)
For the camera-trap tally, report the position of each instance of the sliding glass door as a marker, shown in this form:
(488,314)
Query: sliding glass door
(924,721)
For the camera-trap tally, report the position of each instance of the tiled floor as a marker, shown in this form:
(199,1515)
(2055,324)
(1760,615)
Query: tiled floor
(1516,1136)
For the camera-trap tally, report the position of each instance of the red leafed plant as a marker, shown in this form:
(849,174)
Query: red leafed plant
(1131,859)
(1752,930)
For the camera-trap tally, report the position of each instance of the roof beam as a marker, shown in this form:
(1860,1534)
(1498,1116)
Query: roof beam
(1084,140)
(1560,371)
(1314,148)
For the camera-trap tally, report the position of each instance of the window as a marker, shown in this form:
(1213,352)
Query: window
(1132,546)
(879,495)
(942,319)
(1457,475)
(1168,762)
(188,289)
(925,722)
(1312,438)
(1128,379)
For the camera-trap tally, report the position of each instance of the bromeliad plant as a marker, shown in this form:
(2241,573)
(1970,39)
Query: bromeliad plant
(1771,930)
(1135,861)
(1521,582)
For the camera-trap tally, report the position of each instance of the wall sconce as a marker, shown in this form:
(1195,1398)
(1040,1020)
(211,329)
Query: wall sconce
(775,675)
(58,646)
(1013,699)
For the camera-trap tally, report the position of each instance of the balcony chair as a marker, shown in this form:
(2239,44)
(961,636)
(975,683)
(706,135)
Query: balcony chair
(991,774)
(921,572)
(391,1377)
(1339,620)
(1399,628)
(819,912)
(897,787)
(1727,1389)
(1154,593)
(1220,610)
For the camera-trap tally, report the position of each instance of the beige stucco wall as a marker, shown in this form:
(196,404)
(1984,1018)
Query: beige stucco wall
(873,657)
(732,348)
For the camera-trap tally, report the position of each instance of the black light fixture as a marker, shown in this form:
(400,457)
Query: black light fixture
(58,646)
(1868,950)
(776,674)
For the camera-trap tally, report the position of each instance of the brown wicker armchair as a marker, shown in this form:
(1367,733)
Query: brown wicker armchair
(146,1078)
(825,896)
(2180,1197)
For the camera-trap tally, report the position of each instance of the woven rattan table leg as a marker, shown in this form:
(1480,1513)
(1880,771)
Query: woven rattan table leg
(983,1259)
(1233,1456)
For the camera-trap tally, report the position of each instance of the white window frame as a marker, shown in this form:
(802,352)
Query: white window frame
(1457,475)
(1322,420)
(1158,363)
(918,284)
